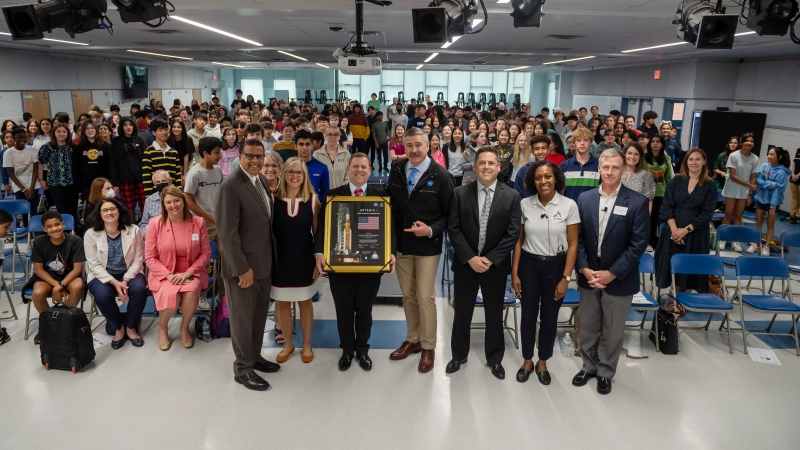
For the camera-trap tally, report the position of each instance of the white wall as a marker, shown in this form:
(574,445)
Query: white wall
(58,75)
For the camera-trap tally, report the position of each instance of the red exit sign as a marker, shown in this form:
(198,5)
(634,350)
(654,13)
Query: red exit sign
(657,75)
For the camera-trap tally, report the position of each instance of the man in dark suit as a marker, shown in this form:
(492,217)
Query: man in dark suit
(353,293)
(420,190)
(244,229)
(484,226)
(615,225)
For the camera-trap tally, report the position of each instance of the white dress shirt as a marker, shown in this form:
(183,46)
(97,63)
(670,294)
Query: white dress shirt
(363,188)
(254,179)
(605,210)
(421,169)
(482,195)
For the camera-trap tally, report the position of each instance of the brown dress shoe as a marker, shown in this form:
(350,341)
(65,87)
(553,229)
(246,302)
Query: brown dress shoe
(426,361)
(406,349)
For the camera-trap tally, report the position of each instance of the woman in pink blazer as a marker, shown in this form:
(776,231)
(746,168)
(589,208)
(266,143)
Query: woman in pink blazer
(177,252)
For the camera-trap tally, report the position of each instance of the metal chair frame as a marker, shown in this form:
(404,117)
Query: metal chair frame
(17,207)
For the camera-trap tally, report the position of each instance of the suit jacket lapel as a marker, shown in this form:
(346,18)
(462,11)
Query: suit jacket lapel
(594,211)
(254,192)
(473,196)
(622,200)
(498,192)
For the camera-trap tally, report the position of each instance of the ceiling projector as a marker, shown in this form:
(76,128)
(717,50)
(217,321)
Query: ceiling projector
(359,65)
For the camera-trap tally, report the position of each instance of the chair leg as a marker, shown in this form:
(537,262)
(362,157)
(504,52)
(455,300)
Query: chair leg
(516,329)
(771,322)
(655,319)
(28,319)
(730,345)
(794,329)
(4,287)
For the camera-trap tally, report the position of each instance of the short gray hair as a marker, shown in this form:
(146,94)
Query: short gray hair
(161,171)
(275,157)
(610,153)
(415,132)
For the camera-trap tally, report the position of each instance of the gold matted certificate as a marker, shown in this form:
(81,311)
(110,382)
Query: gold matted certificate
(358,234)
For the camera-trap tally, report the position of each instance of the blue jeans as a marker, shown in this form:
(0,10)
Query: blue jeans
(104,295)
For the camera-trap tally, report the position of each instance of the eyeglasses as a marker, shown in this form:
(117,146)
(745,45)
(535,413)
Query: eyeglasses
(611,168)
(294,173)
(108,210)
(251,156)
(271,166)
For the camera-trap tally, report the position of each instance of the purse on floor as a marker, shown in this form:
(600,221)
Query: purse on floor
(667,317)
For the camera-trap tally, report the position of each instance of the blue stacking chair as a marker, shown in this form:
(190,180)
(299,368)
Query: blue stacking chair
(647,266)
(510,302)
(691,264)
(718,216)
(15,208)
(753,266)
(736,233)
(3,285)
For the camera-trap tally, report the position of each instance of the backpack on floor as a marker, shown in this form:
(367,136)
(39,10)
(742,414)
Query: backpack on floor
(220,324)
(66,338)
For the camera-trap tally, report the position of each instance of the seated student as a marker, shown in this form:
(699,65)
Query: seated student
(57,264)
(113,246)
(5,225)
(101,188)
(202,183)
(177,251)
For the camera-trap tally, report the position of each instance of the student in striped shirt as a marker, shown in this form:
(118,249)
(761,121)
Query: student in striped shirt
(581,171)
(160,156)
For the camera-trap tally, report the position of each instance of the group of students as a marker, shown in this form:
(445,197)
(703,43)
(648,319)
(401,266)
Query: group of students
(522,159)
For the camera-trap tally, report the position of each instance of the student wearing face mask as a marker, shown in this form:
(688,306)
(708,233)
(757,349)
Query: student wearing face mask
(100,188)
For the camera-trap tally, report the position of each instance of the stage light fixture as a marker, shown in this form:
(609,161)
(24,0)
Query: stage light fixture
(771,17)
(705,25)
(444,19)
(527,13)
(143,11)
(28,22)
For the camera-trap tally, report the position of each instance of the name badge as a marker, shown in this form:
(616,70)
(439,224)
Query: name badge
(195,237)
(557,217)
(621,210)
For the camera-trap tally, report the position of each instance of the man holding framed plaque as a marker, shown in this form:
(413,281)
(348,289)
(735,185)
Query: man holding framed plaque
(353,293)
(420,192)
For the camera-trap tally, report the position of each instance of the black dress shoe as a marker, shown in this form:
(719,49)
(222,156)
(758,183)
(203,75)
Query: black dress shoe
(582,378)
(603,385)
(36,340)
(454,365)
(498,371)
(252,381)
(523,375)
(344,362)
(138,342)
(266,366)
(364,362)
(543,376)
(116,345)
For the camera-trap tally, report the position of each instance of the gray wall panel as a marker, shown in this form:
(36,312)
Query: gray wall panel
(746,81)
(716,80)
(777,80)
(616,82)
(61,101)
(680,80)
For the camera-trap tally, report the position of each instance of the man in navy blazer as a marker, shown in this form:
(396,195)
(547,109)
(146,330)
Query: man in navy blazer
(615,225)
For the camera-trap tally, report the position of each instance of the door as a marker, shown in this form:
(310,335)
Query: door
(155,95)
(673,111)
(37,103)
(81,101)
(197,94)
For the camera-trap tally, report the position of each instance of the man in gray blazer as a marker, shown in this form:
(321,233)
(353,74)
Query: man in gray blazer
(244,228)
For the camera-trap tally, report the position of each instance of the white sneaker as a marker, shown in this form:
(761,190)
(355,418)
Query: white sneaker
(765,250)
(736,247)
(752,248)
(721,246)
(203,304)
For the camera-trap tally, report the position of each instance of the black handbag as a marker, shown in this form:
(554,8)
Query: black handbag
(667,335)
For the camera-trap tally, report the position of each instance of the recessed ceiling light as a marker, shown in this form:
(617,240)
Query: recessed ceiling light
(322,65)
(160,54)
(215,30)
(4,33)
(448,44)
(229,65)
(293,56)
(434,55)
(419,66)
(515,68)
(655,46)
(64,42)
(567,60)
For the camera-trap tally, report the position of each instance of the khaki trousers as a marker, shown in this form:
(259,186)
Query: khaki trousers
(417,278)
(795,199)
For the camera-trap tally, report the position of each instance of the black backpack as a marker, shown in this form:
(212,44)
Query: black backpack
(65,338)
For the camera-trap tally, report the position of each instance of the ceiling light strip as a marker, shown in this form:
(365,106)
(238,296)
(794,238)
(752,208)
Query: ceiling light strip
(434,55)
(322,65)
(515,68)
(419,66)
(159,54)
(448,44)
(655,46)
(567,60)
(293,56)
(215,30)
(64,42)
(228,65)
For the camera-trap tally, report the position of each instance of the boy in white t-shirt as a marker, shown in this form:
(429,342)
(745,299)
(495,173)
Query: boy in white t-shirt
(22,164)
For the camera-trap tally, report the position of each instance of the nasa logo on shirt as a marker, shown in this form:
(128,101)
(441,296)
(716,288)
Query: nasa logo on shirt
(557,217)
(430,183)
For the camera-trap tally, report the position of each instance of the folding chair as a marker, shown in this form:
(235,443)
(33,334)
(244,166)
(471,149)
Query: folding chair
(4,287)
(753,266)
(736,233)
(718,216)
(790,238)
(510,302)
(647,265)
(15,208)
(691,264)
(447,279)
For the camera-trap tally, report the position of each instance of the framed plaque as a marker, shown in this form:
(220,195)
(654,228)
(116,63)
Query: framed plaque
(358,234)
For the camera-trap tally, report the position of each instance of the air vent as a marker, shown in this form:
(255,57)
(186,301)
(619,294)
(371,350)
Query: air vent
(479,63)
(160,31)
(563,37)
(278,60)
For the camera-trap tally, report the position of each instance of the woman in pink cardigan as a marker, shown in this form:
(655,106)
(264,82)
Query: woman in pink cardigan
(177,252)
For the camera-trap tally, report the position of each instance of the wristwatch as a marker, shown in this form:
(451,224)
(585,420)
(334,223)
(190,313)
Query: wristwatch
(61,284)
(566,277)
(689,228)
